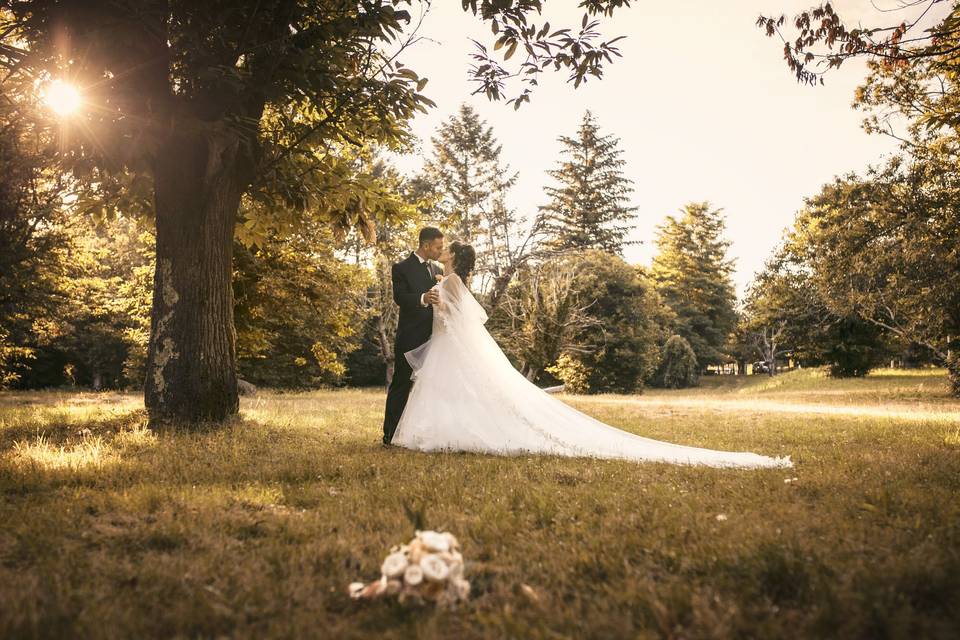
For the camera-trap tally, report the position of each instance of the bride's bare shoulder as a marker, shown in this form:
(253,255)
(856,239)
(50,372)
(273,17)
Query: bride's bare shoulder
(452,279)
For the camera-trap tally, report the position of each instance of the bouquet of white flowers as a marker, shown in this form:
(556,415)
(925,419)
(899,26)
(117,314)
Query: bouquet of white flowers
(428,568)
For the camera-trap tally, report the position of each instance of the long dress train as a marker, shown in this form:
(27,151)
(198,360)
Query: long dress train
(468,397)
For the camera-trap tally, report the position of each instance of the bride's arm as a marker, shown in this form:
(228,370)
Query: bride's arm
(459,300)
(453,286)
(450,295)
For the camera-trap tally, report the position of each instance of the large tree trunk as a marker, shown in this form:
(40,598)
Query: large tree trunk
(191,374)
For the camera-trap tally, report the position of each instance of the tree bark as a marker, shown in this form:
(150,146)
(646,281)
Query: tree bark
(191,361)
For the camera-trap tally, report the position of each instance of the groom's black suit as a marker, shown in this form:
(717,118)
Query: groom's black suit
(411,279)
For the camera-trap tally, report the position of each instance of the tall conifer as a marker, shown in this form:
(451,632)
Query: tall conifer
(589,208)
(693,276)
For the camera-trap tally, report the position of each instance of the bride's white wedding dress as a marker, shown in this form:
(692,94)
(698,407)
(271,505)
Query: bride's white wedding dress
(468,397)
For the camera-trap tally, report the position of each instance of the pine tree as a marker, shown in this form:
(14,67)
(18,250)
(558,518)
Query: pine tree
(470,186)
(589,210)
(692,274)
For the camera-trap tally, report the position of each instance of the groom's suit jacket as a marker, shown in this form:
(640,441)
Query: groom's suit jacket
(412,279)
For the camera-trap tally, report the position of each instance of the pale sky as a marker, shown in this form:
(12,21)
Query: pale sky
(703,104)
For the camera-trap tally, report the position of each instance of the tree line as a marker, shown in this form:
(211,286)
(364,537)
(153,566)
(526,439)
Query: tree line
(207,116)
(316,308)
(870,269)
(204,217)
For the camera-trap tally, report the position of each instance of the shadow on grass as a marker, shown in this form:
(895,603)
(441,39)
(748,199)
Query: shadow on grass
(61,430)
(119,451)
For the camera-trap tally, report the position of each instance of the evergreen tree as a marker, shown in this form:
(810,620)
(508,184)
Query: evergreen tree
(469,185)
(466,173)
(589,210)
(692,274)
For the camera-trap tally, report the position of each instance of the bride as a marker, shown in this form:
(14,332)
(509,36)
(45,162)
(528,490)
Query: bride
(468,397)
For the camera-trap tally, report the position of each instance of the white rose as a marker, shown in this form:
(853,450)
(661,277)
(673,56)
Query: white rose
(415,551)
(394,565)
(434,541)
(434,568)
(452,542)
(413,575)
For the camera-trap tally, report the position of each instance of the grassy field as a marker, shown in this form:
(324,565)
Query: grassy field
(253,530)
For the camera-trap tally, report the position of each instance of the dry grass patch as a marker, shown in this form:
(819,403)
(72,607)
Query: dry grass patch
(255,529)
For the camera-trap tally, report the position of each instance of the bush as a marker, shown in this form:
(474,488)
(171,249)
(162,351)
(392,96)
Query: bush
(573,373)
(678,365)
(953,372)
(629,316)
(592,304)
(855,347)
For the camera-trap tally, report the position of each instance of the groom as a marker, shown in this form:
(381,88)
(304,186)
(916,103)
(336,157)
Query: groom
(413,281)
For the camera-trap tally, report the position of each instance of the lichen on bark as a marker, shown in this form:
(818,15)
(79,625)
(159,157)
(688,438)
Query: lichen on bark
(165,350)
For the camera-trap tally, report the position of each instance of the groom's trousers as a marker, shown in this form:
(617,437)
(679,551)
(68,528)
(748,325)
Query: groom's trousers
(397,396)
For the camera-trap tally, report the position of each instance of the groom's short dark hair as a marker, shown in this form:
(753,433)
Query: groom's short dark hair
(428,234)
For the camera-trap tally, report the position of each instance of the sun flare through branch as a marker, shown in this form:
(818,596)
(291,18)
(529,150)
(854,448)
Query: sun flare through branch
(62,97)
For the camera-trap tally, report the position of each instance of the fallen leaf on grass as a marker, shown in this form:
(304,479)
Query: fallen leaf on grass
(530,593)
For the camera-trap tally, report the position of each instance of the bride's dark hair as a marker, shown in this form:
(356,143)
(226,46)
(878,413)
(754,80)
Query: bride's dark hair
(464,258)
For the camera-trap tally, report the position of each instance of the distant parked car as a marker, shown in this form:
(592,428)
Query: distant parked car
(761,367)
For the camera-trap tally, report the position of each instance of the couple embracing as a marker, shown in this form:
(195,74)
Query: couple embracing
(453,389)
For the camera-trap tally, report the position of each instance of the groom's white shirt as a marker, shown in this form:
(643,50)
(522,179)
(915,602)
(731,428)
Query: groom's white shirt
(422,261)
